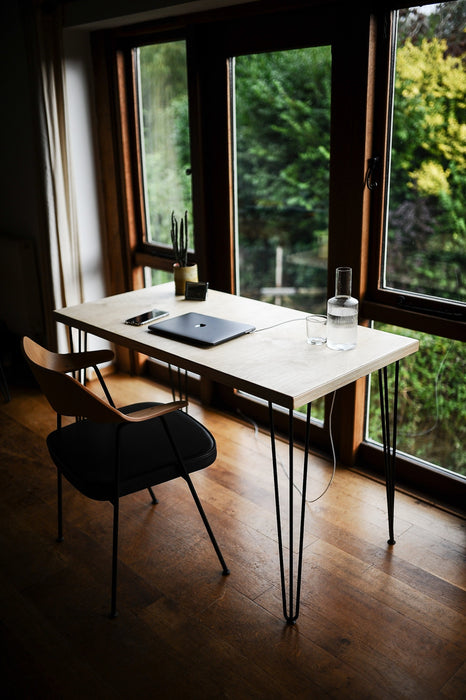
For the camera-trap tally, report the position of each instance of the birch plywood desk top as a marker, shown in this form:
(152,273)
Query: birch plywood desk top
(274,363)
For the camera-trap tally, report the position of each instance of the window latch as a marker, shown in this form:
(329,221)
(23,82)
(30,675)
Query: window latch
(371,182)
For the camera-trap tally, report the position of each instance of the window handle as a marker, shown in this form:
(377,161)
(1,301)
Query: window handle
(371,182)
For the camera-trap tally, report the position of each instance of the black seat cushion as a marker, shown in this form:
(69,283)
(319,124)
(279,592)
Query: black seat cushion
(85,452)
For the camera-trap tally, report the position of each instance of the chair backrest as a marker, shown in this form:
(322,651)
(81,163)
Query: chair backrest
(64,393)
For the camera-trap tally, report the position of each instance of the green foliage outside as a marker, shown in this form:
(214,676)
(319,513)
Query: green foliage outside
(165,135)
(426,250)
(283,154)
(432,401)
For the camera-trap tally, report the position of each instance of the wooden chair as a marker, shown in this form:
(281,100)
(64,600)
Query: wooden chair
(110,452)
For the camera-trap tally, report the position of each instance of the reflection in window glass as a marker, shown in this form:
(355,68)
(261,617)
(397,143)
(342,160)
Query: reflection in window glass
(164,128)
(432,402)
(425,247)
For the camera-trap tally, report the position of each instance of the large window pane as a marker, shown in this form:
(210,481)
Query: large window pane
(282,171)
(425,246)
(164,129)
(425,237)
(282,123)
(432,405)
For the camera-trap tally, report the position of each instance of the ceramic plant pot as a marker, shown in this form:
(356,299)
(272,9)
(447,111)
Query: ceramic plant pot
(183,275)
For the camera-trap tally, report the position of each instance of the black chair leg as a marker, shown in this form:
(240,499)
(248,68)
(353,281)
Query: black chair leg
(152,495)
(226,570)
(59,507)
(185,474)
(116,509)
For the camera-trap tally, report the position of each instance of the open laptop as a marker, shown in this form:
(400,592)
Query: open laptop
(199,329)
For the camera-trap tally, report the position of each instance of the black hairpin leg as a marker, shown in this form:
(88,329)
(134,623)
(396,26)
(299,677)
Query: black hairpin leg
(82,339)
(182,390)
(389,442)
(289,599)
(82,347)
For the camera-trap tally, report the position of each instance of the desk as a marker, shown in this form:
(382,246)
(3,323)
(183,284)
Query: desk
(275,364)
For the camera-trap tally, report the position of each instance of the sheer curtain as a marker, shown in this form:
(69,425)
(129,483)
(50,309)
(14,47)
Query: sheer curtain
(65,253)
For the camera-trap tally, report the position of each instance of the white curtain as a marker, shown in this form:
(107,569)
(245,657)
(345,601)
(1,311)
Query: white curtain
(60,192)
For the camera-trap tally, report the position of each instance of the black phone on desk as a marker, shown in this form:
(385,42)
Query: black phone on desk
(146,317)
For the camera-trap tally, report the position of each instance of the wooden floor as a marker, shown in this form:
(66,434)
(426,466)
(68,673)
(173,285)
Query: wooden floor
(376,621)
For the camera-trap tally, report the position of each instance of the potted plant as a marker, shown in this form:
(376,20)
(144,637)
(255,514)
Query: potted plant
(181,270)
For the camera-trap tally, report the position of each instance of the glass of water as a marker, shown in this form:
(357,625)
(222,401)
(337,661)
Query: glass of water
(316,329)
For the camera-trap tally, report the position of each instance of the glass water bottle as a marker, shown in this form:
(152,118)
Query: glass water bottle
(342,313)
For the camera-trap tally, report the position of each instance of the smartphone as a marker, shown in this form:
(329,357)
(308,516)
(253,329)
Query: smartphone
(146,318)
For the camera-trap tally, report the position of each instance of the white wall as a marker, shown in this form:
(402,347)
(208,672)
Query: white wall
(84,165)
(80,103)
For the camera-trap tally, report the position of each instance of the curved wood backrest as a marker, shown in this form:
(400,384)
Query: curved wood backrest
(66,395)
(60,362)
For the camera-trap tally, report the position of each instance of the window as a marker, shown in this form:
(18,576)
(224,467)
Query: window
(163,129)
(282,121)
(176,82)
(281,163)
(421,252)
(432,418)
(419,281)
(263,126)
(425,234)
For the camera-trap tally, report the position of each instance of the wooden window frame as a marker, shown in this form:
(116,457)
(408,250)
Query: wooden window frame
(210,44)
(433,316)
(436,316)
(360,82)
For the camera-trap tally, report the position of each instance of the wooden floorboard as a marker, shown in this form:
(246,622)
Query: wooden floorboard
(375,621)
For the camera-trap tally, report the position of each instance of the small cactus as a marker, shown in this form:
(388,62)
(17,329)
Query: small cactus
(179,238)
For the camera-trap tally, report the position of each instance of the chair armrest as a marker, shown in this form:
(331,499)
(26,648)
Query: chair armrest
(154,411)
(79,360)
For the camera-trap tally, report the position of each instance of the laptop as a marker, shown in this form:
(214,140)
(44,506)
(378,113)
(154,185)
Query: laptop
(199,329)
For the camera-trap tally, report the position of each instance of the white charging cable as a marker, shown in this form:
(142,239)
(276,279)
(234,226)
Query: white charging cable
(332,444)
